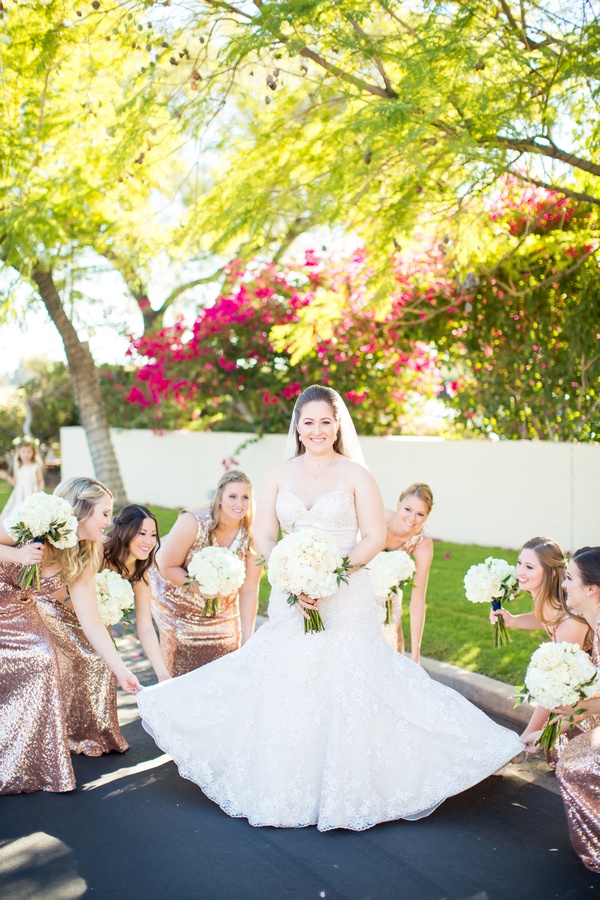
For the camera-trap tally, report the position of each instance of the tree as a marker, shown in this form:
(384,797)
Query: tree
(524,346)
(88,127)
(236,365)
(376,115)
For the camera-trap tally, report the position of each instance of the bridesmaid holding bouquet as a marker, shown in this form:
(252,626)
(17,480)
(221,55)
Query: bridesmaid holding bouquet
(190,634)
(405,530)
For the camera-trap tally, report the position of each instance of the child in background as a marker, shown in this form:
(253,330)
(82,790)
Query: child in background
(28,471)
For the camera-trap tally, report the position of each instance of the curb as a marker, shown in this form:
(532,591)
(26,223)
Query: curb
(493,696)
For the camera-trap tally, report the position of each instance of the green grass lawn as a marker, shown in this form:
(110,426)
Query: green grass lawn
(456,631)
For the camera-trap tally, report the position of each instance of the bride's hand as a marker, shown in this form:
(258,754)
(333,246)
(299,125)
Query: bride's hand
(305,603)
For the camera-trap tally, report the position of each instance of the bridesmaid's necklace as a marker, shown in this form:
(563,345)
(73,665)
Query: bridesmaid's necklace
(318,475)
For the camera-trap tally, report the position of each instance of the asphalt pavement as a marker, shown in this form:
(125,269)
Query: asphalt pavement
(135,830)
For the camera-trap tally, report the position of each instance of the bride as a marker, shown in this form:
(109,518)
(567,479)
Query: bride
(333,729)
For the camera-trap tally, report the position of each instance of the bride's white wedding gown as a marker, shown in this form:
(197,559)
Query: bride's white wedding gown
(334,729)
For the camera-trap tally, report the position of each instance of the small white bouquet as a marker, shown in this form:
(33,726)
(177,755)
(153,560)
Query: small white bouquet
(559,675)
(493,581)
(391,571)
(219,573)
(307,563)
(41,517)
(114,596)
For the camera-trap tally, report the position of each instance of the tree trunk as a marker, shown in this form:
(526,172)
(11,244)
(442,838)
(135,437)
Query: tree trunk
(86,387)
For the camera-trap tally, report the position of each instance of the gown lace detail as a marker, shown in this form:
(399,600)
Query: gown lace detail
(334,729)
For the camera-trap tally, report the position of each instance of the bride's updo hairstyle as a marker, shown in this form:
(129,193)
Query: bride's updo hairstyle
(316,393)
(82,493)
(553,562)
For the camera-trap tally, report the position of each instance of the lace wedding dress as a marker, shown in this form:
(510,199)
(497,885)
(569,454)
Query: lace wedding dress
(334,729)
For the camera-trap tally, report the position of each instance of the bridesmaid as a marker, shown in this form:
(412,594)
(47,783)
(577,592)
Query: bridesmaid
(130,550)
(56,693)
(405,530)
(541,570)
(578,769)
(187,638)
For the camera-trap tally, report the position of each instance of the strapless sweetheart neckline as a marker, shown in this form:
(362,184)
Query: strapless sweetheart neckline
(321,497)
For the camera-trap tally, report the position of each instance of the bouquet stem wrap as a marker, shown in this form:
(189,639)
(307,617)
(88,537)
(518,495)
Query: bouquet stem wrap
(501,635)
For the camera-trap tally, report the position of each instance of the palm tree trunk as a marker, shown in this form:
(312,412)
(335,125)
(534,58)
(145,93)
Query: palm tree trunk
(86,387)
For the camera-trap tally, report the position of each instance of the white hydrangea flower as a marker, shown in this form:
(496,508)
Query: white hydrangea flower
(114,595)
(390,570)
(218,571)
(561,674)
(494,579)
(305,563)
(43,516)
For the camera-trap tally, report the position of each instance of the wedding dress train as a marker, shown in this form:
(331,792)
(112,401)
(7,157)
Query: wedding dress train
(334,729)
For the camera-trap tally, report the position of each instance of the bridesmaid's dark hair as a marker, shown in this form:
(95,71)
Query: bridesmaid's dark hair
(319,392)
(116,549)
(587,560)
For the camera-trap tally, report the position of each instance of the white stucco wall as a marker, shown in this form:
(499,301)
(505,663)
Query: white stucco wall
(489,493)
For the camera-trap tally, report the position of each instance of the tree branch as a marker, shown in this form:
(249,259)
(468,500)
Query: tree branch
(568,192)
(551,278)
(376,59)
(550,150)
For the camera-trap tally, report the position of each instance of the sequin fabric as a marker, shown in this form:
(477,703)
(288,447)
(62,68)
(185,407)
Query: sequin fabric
(578,777)
(34,751)
(393,633)
(187,638)
(89,688)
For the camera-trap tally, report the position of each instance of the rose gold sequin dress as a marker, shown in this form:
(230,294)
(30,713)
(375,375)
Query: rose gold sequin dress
(187,638)
(89,688)
(578,776)
(34,751)
(393,633)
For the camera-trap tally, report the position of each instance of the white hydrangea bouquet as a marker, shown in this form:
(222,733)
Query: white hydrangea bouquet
(115,597)
(559,675)
(41,517)
(493,581)
(219,573)
(391,571)
(307,563)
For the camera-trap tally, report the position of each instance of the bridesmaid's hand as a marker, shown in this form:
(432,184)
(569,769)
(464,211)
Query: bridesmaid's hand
(129,682)
(504,613)
(29,554)
(530,740)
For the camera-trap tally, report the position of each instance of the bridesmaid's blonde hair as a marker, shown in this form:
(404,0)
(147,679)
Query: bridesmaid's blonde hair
(551,594)
(421,491)
(229,478)
(83,494)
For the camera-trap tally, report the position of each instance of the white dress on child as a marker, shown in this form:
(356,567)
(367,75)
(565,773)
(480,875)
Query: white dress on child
(26,483)
(333,729)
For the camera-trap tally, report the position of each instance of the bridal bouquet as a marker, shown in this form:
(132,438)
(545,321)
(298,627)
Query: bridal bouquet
(41,517)
(219,573)
(559,675)
(311,564)
(492,582)
(114,596)
(391,570)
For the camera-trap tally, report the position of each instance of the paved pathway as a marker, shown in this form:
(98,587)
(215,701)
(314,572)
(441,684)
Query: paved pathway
(134,830)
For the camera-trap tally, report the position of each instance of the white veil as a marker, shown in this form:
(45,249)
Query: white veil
(350,441)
